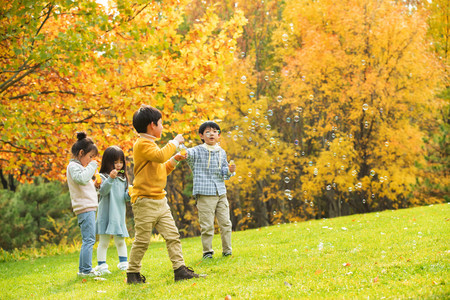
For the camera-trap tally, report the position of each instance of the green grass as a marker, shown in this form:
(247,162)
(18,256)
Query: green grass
(392,254)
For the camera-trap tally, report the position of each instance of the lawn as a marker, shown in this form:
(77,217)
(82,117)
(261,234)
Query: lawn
(398,254)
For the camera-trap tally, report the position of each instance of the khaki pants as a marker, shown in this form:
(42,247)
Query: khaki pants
(208,207)
(149,213)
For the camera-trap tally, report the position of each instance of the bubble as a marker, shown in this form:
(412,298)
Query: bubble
(235,137)
(316,171)
(286,169)
(290,197)
(354,172)
(257,114)
(333,135)
(296,142)
(296,119)
(364,201)
(288,120)
(229,134)
(249,111)
(249,215)
(366,124)
(240,178)
(272,171)
(245,119)
(268,127)
(287,192)
(342,168)
(221,99)
(310,163)
(270,113)
(372,173)
(274,212)
(272,73)
(373,196)
(279,99)
(287,179)
(363,62)
(328,187)
(250,174)
(344,157)
(244,79)
(303,153)
(272,141)
(311,97)
(299,109)
(284,37)
(365,106)
(266,78)
(386,144)
(242,54)
(252,94)
(381,110)
(336,118)
(350,189)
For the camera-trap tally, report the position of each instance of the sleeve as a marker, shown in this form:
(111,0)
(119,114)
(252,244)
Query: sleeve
(169,167)
(191,157)
(106,185)
(127,195)
(82,175)
(151,152)
(225,170)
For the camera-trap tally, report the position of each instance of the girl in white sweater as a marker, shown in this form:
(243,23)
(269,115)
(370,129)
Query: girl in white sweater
(83,195)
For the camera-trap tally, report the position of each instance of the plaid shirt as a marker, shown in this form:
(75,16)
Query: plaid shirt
(210,168)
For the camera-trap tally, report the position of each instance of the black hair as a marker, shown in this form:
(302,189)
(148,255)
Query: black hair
(208,124)
(144,116)
(111,155)
(83,143)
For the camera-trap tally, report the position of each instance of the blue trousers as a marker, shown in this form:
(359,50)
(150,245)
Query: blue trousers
(86,221)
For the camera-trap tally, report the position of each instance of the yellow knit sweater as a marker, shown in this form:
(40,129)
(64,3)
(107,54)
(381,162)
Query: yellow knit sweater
(151,167)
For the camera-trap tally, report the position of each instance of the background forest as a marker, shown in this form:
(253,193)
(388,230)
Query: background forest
(328,108)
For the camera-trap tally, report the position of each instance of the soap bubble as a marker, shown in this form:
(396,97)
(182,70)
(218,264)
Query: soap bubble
(287,192)
(386,144)
(266,78)
(286,169)
(311,97)
(272,171)
(249,215)
(328,187)
(270,113)
(363,62)
(287,179)
(310,163)
(372,173)
(244,79)
(296,119)
(249,111)
(365,106)
(288,120)
(284,37)
(252,94)
(250,174)
(296,142)
(279,99)
(268,127)
(316,171)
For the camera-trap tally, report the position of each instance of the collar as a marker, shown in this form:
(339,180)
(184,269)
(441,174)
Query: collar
(211,148)
(147,136)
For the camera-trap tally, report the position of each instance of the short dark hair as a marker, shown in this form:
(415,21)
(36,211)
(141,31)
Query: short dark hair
(208,124)
(111,155)
(144,116)
(83,143)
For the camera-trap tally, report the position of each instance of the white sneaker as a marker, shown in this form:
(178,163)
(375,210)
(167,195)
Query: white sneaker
(93,272)
(122,265)
(102,269)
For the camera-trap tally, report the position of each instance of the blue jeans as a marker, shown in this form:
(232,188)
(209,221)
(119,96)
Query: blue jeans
(86,221)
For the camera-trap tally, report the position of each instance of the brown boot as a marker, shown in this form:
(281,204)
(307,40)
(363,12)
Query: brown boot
(184,272)
(134,278)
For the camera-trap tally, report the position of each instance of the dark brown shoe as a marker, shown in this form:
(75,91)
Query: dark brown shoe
(135,278)
(184,272)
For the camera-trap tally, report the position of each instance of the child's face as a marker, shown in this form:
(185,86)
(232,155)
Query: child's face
(85,159)
(118,164)
(210,136)
(155,130)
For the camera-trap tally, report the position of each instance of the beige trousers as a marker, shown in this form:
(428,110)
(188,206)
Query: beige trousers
(208,207)
(149,214)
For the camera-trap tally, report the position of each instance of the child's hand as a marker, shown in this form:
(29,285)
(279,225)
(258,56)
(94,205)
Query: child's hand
(232,166)
(113,174)
(180,157)
(179,138)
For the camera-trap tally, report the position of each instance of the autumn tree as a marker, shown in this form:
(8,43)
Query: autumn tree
(364,76)
(70,66)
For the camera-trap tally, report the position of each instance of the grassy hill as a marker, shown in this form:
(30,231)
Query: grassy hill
(391,254)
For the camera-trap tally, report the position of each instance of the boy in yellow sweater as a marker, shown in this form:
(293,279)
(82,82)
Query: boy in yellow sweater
(150,208)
